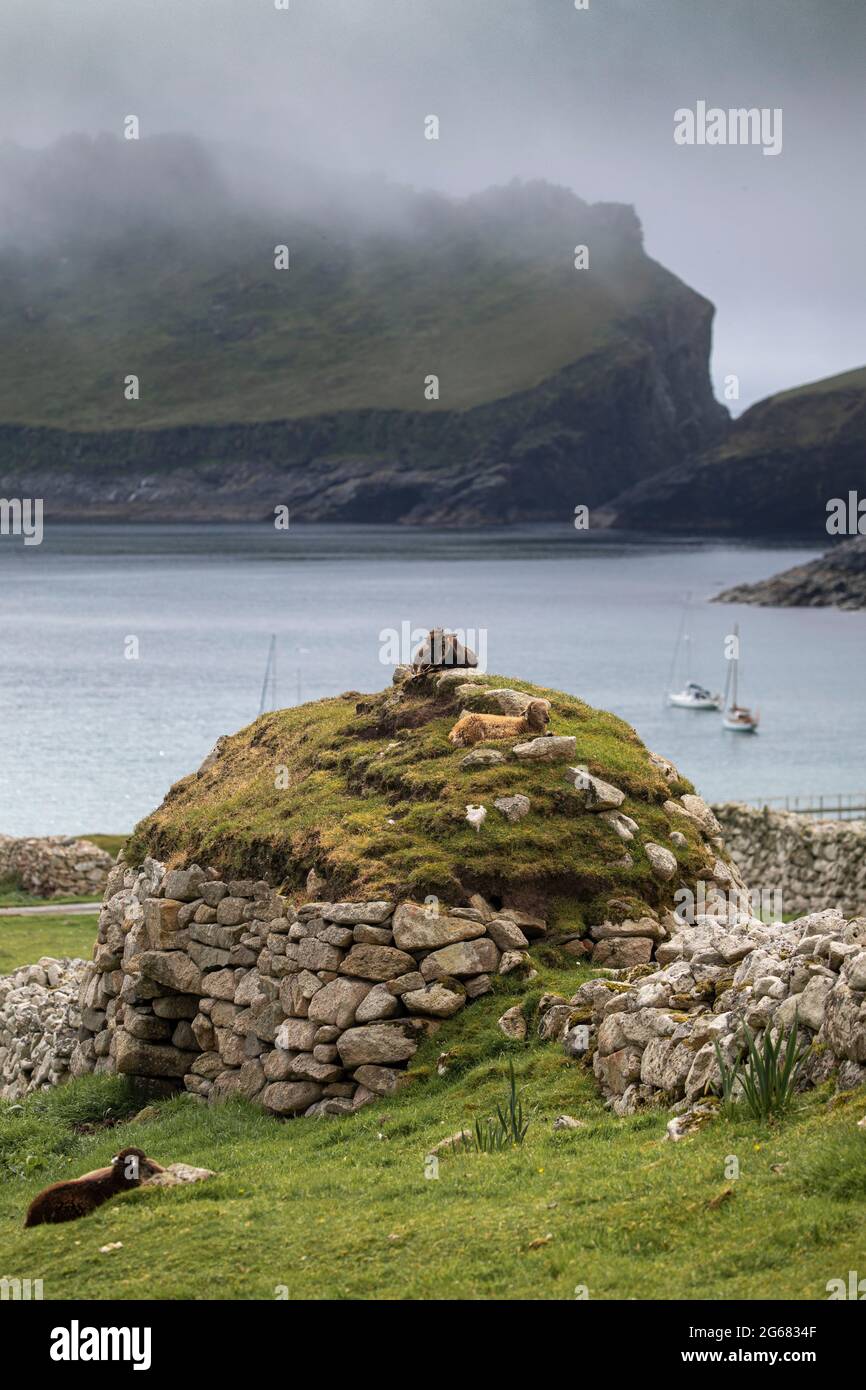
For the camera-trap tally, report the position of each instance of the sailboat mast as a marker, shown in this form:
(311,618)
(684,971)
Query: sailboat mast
(680,636)
(270,673)
(736,660)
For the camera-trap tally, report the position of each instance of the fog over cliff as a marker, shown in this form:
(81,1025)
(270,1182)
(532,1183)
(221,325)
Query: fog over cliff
(288,99)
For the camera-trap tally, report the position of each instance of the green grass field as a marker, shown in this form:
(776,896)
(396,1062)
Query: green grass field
(13,896)
(24,939)
(341,1208)
(110,843)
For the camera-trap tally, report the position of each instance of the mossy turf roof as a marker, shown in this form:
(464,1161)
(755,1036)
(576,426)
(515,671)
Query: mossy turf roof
(369,792)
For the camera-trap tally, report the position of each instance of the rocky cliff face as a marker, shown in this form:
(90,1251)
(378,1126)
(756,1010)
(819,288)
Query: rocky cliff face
(533,456)
(774,473)
(310,388)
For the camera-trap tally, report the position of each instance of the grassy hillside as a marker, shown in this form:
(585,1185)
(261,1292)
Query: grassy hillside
(341,1208)
(373,796)
(482,293)
(854,380)
(241,341)
(804,417)
(308,385)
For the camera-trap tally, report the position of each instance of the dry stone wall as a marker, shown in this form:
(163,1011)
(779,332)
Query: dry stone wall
(227,988)
(318,1008)
(55,866)
(815,864)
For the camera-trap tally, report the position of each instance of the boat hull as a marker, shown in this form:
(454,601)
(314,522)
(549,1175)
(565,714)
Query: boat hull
(684,702)
(738,726)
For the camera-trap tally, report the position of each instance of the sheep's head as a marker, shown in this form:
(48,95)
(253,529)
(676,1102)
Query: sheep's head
(537,714)
(131,1165)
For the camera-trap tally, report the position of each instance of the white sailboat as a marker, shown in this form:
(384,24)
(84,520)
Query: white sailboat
(737,717)
(693,695)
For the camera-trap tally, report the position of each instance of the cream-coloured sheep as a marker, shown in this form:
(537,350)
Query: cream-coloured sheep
(475,728)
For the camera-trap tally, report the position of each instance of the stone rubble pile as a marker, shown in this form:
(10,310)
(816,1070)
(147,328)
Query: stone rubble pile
(39,1025)
(650,1030)
(227,988)
(54,866)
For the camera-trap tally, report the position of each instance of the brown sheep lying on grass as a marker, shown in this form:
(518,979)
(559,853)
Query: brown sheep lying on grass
(66,1201)
(475,728)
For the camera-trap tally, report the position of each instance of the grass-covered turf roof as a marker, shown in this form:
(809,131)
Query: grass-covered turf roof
(369,792)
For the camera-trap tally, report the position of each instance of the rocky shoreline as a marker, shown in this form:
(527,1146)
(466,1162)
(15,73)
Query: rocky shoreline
(836,580)
(450,468)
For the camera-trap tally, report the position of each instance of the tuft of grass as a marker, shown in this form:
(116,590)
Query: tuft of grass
(50,1124)
(765,1081)
(504,1129)
(837,1169)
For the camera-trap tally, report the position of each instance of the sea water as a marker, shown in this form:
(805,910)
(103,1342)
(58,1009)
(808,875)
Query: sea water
(125,651)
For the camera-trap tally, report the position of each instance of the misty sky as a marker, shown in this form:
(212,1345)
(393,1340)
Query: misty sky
(521,89)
